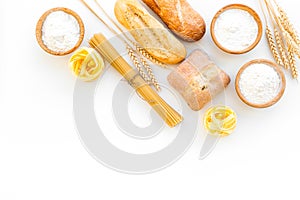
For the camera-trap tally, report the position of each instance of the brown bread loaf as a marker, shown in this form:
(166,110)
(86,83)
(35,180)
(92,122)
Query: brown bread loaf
(180,17)
(198,80)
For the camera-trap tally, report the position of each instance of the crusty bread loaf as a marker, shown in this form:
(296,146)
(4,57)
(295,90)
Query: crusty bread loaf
(149,32)
(198,80)
(180,17)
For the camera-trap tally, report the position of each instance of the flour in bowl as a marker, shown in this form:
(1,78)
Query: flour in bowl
(260,83)
(236,29)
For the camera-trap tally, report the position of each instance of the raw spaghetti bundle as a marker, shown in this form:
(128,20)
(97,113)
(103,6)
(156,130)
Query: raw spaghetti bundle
(168,114)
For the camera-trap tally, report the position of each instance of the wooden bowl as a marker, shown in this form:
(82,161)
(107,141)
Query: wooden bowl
(251,12)
(39,33)
(276,68)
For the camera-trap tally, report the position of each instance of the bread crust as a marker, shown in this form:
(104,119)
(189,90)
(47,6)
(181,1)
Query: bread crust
(180,17)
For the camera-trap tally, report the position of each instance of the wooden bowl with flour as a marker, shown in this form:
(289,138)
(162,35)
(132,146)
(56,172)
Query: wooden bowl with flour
(60,31)
(236,29)
(260,83)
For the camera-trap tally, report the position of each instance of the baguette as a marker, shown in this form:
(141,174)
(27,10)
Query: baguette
(180,17)
(198,80)
(149,32)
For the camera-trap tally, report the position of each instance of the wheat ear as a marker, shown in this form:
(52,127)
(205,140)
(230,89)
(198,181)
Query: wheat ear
(292,61)
(273,47)
(281,48)
(288,26)
(136,63)
(289,38)
(297,52)
(151,76)
(148,56)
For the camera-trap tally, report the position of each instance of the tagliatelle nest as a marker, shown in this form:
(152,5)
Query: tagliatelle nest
(220,120)
(86,64)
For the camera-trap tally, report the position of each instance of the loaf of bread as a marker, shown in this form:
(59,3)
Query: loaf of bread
(180,17)
(198,80)
(149,32)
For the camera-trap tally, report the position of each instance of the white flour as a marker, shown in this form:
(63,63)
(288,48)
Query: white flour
(236,29)
(61,31)
(259,83)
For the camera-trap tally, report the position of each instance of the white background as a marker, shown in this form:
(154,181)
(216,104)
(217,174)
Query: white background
(41,156)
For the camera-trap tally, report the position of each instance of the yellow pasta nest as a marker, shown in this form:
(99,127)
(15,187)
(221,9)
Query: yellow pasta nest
(86,64)
(220,120)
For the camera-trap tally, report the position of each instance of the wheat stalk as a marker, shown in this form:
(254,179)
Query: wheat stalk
(289,38)
(153,80)
(292,61)
(281,48)
(273,47)
(149,77)
(288,26)
(136,63)
(286,38)
(278,56)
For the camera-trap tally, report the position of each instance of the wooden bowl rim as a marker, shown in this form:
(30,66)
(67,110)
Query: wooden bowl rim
(40,25)
(277,69)
(252,13)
